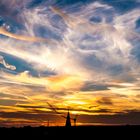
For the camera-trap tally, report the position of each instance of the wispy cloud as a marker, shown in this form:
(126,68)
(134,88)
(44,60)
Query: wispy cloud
(21,37)
(6,65)
(83,57)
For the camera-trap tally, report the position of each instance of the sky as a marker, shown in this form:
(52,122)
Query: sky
(81,55)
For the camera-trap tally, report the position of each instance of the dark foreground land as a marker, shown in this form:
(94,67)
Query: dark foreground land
(85,132)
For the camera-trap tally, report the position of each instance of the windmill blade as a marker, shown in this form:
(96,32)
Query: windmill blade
(55,110)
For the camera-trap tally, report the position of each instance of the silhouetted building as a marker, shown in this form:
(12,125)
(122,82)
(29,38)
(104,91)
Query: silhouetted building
(68,120)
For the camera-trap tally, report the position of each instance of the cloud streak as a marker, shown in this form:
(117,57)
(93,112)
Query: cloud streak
(21,37)
(6,65)
(84,58)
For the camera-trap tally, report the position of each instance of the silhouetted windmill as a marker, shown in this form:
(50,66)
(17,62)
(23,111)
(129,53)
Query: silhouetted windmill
(75,119)
(68,118)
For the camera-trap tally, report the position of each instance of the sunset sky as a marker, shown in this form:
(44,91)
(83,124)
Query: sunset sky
(81,55)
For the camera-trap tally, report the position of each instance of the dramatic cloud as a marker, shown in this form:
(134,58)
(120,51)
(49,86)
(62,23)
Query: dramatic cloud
(81,55)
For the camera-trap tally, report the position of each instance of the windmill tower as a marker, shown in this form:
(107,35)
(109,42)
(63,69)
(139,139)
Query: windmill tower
(68,120)
(75,120)
(48,123)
